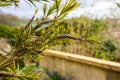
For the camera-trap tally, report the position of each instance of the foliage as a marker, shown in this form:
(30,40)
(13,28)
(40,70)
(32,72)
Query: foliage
(106,50)
(7,2)
(55,76)
(7,32)
(30,41)
(93,32)
(28,69)
(90,30)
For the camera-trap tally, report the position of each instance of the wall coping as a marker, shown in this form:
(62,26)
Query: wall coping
(84,59)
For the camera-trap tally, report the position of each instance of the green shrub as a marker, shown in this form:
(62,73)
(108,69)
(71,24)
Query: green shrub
(7,32)
(106,50)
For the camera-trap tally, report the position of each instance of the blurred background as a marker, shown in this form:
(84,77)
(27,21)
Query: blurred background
(101,18)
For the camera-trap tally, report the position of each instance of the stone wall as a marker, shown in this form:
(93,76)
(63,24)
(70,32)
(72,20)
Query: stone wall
(80,67)
(4,46)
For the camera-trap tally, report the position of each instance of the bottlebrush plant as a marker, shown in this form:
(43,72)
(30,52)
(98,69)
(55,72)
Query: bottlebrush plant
(30,41)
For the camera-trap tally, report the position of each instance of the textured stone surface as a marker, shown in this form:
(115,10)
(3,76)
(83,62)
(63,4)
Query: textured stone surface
(4,46)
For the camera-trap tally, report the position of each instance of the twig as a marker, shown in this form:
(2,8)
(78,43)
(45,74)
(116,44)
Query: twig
(70,37)
(6,61)
(28,25)
(7,74)
(62,36)
(42,22)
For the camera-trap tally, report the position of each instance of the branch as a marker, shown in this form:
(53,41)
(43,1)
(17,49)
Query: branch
(12,75)
(7,60)
(70,37)
(7,74)
(42,22)
(28,25)
(65,36)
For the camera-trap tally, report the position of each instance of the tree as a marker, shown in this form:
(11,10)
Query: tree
(30,41)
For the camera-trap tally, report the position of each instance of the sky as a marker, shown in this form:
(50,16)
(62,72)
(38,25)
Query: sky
(90,8)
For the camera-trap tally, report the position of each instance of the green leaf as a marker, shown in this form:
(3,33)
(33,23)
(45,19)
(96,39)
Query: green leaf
(45,9)
(10,70)
(58,2)
(69,6)
(51,10)
(28,69)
